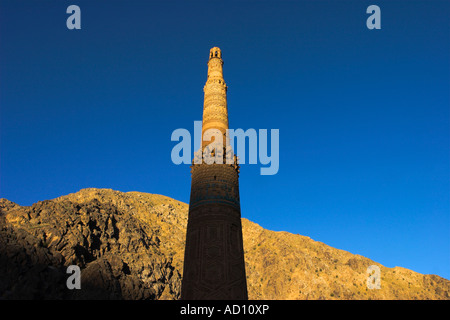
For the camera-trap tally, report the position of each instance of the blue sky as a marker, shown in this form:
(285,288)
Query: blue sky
(363,114)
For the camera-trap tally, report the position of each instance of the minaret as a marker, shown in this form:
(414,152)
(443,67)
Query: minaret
(214,266)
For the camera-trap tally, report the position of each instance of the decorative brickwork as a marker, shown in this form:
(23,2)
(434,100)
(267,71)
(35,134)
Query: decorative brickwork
(214,266)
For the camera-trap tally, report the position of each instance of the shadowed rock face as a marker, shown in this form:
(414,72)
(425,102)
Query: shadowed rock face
(114,237)
(131,246)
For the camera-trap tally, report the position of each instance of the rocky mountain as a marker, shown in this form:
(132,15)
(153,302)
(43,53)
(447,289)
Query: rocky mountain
(131,246)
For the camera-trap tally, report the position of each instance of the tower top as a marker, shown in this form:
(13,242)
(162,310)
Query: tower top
(215,53)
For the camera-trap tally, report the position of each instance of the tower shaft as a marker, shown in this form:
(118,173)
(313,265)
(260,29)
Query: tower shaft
(214,266)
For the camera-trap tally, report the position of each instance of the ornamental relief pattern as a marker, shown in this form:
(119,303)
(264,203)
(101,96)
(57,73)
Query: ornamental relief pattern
(215,88)
(215,97)
(215,112)
(217,117)
(215,109)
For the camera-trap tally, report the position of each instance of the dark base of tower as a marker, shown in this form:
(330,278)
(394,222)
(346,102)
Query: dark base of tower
(237,291)
(214,266)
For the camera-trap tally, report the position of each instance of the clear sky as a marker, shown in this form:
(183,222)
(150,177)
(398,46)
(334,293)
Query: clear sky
(363,114)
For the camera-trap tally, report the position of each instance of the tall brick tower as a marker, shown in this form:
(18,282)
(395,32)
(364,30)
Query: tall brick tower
(214,266)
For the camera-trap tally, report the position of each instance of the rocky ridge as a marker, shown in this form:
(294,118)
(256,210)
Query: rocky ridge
(131,246)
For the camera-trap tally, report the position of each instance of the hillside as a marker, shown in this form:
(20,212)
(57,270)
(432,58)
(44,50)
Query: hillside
(131,246)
